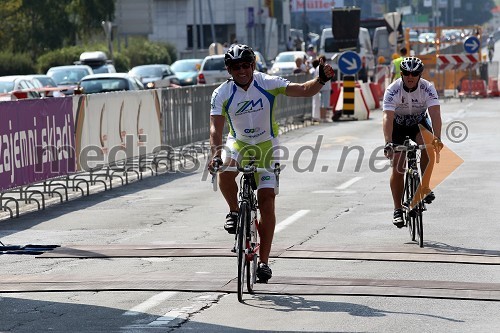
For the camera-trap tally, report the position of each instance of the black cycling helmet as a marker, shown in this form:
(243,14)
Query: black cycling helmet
(412,65)
(239,53)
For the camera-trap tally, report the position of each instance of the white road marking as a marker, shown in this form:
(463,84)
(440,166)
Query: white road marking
(150,303)
(348,183)
(291,219)
(171,315)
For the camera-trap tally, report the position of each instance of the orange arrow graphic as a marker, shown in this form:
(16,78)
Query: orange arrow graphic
(440,166)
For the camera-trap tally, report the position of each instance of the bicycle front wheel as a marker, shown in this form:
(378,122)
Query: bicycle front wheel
(254,256)
(241,246)
(408,195)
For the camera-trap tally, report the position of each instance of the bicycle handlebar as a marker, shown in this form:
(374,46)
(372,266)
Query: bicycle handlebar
(414,147)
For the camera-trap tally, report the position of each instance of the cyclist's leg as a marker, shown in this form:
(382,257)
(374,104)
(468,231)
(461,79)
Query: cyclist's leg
(266,182)
(424,161)
(399,134)
(228,185)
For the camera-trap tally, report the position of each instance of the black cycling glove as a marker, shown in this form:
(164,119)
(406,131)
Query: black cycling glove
(388,148)
(322,76)
(216,164)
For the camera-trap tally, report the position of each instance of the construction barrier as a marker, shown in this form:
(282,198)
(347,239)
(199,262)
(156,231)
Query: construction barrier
(448,62)
(473,88)
(349,97)
(361,110)
(367,95)
(377,93)
(493,89)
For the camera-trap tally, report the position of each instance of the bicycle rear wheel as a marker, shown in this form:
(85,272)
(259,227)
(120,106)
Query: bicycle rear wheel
(417,216)
(241,246)
(254,258)
(419,223)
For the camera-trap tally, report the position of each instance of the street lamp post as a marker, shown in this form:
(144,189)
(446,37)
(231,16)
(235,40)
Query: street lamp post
(108,26)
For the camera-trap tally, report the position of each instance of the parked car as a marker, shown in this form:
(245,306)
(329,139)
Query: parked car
(427,37)
(285,62)
(98,61)
(68,77)
(14,87)
(187,70)
(46,85)
(107,82)
(213,70)
(155,75)
(261,62)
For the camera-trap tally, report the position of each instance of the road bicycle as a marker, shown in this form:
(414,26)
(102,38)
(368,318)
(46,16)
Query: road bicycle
(246,244)
(413,197)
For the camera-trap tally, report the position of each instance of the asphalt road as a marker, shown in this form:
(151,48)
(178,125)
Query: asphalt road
(334,199)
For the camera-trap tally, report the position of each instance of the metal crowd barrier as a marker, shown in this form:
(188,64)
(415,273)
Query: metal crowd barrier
(185,118)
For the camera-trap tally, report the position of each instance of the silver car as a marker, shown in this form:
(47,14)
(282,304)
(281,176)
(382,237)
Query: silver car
(155,75)
(213,70)
(14,87)
(68,77)
(108,82)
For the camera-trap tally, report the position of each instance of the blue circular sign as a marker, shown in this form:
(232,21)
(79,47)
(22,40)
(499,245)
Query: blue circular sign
(349,63)
(471,44)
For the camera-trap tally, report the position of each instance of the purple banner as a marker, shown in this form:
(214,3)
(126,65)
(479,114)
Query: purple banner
(37,141)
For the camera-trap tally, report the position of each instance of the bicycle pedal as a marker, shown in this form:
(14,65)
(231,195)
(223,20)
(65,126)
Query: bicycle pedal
(233,250)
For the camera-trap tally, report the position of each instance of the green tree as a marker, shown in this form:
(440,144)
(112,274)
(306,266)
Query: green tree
(141,51)
(37,26)
(87,16)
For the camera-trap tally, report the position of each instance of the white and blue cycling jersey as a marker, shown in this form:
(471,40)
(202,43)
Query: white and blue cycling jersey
(250,114)
(409,107)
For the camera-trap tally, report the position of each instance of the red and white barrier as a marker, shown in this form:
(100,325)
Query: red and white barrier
(367,94)
(361,109)
(382,76)
(457,61)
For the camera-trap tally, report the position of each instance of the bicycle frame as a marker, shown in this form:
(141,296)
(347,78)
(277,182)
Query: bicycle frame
(247,236)
(413,215)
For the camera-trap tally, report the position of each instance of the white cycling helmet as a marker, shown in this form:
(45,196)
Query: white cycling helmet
(239,53)
(412,65)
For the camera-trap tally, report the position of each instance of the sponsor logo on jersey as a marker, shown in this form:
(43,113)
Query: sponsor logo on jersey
(249,106)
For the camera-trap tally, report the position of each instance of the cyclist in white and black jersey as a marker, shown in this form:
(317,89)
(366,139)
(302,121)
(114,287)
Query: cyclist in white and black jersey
(409,102)
(247,102)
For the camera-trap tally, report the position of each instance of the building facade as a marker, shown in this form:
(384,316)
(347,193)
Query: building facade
(193,25)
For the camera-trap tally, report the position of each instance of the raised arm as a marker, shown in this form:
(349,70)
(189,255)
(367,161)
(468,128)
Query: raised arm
(312,87)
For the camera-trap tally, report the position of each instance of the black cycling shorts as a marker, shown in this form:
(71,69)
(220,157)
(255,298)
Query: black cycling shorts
(400,132)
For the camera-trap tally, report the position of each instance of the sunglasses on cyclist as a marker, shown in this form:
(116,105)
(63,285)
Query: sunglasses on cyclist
(414,74)
(237,67)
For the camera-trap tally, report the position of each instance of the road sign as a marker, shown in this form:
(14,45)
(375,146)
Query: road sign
(471,44)
(349,63)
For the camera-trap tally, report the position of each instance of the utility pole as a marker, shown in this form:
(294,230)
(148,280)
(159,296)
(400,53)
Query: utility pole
(194,31)
(305,32)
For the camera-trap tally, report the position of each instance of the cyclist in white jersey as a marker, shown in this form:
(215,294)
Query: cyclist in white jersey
(406,102)
(247,102)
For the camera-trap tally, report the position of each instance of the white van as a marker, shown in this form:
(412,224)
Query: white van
(328,48)
(381,45)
